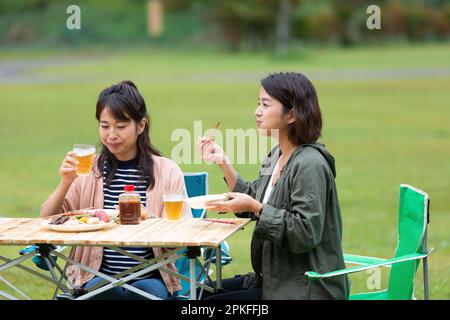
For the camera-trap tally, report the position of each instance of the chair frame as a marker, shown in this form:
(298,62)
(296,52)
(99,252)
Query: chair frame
(367,263)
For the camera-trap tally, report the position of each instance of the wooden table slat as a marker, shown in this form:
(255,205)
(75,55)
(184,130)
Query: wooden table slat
(167,227)
(151,232)
(154,228)
(214,234)
(178,234)
(106,237)
(16,231)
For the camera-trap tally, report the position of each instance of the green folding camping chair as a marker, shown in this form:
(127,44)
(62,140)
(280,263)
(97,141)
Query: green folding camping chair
(413,219)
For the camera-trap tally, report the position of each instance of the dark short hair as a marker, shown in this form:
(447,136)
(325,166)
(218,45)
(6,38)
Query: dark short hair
(297,93)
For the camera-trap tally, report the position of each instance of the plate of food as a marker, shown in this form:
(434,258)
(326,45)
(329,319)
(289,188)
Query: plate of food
(205,202)
(82,220)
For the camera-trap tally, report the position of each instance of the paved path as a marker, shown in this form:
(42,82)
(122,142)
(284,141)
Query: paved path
(27,72)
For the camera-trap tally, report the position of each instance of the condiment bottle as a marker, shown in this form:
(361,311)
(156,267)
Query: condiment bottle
(130,206)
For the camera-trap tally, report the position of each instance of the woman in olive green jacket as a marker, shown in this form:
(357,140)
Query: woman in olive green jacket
(294,199)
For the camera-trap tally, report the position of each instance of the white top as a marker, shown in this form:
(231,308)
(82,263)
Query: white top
(269,185)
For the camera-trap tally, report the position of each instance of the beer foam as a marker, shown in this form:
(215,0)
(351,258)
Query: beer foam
(173,198)
(84,152)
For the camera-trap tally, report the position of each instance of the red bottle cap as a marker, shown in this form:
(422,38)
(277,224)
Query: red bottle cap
(129,187)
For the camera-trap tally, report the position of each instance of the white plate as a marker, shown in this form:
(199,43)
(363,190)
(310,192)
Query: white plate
(200,201)
(81,227)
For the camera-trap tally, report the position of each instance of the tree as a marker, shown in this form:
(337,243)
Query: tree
(155,16)
(283,27)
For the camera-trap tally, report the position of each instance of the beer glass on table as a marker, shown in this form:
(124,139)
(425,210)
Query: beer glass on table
(173,203)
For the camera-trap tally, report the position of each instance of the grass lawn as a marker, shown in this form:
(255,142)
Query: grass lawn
(382,132)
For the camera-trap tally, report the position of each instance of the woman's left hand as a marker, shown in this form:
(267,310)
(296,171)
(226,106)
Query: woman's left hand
(239,202)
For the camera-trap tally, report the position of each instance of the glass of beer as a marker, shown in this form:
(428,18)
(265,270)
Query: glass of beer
(85,156)
(173,203)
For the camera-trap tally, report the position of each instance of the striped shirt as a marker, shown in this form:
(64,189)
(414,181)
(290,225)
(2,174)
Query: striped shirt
(127,172)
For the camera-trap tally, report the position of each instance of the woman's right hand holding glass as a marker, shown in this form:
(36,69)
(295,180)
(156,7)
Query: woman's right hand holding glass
(210,151)
(68,169)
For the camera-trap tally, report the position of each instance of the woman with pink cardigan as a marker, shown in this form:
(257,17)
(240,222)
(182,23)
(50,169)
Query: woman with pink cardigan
(126,157)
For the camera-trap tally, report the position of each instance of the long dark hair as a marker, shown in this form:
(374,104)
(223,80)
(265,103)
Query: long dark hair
(124,103)
(297,93)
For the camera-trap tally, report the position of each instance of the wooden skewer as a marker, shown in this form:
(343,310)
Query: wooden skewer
(220,221)
(214,129)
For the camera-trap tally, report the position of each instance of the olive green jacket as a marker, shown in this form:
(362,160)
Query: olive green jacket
(300,227)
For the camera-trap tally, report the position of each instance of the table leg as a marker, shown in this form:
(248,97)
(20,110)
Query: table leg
(9,264)
(175,274)
(33,272)
(192,254)
(219,268)
(192,279)
(118,282)
(17,261)
(8,296)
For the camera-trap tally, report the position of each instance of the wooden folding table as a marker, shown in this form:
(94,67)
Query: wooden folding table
(191,234)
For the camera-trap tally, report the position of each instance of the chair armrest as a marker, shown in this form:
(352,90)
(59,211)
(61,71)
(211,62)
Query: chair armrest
(415,256)
(361,260)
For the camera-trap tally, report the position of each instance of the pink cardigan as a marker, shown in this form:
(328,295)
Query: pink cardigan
(87,191)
